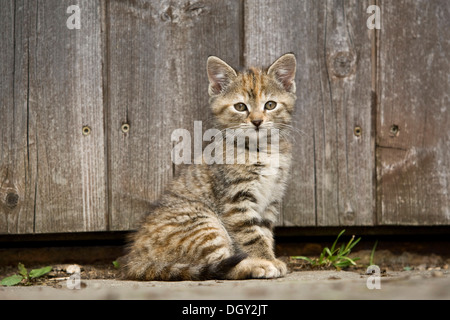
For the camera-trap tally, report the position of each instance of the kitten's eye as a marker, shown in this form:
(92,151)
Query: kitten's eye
(240,107)
(270,105)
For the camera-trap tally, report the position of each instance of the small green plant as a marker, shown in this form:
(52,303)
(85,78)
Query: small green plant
(116,264)
(372,254)
(336,257)
(23,276)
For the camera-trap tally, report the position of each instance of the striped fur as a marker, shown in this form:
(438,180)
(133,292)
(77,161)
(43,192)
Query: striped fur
(215,221)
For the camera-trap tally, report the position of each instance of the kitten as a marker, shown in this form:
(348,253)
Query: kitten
(215,221)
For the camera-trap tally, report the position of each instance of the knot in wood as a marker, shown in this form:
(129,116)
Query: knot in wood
(170,15)
(12,199)
(197,8)
(348,217)
(343,64)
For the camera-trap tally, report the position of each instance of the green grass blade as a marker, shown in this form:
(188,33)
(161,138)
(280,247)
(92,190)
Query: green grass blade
(341,249)
(341,265)
(349,260)
(350,246)
(302,258)
(322,255)
(354,243)
(335,241)
(372,254)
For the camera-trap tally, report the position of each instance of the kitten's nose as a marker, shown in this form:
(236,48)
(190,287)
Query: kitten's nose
(257,123)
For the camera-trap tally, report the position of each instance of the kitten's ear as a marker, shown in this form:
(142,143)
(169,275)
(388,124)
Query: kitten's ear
(284,71)
(220,75)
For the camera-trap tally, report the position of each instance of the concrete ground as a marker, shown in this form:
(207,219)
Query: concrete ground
(296,285)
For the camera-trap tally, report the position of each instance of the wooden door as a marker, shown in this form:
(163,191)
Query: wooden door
(87,113)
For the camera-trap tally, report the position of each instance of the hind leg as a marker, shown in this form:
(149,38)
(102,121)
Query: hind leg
(176,243)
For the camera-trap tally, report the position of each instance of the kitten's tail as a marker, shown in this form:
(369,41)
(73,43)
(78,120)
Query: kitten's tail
(220,270)
(182,271)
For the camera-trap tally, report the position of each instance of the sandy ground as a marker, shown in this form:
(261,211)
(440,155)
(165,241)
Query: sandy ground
(429,284)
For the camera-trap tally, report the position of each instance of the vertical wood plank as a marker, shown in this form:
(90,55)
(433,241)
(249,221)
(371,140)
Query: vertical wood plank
(413,136)
(273,28)
(332,174)
(157,82)
(346,170)
(65,96)
(52,177)
(16,178)
(57,91)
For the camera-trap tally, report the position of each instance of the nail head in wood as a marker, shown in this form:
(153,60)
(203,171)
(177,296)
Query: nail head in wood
(394,130)
(125,127)
(86,130)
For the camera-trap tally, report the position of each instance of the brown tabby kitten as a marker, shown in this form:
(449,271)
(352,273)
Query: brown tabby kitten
(215,221)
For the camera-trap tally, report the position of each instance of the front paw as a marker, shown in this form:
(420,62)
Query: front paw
(281,267)
(258,269)
(268,269)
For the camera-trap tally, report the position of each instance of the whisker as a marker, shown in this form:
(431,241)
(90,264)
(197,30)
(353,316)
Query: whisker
(290,128)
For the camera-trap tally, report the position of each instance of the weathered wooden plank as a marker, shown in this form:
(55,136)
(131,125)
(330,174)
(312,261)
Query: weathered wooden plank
(273,28)
(413,135)
(66,96)
(16,179)
(332,174)
(53,178)
(157,82)
(59,172)
(348,117)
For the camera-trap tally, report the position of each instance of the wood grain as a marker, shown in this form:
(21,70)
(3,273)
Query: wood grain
(66,95)
(413,136)
(157,83)
(273,28)
(142,63)
(16,176)
(59,173)
(345,162)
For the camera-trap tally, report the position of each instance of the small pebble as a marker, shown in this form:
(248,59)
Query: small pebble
(437,274)
(422,267)
(430,268)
